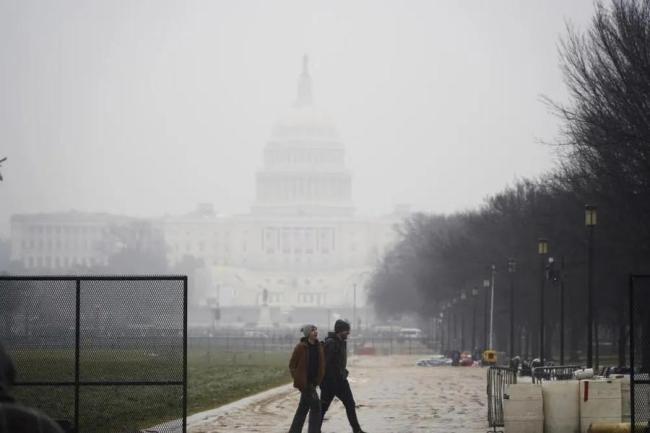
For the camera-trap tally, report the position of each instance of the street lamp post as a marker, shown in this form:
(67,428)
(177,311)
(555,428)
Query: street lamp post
(561,278)
(214,306)
(492,275)
(463,297)
(542,250)
(486,286)
(455,322)
(512,267)
(590,223)
(441,331)
(475,296)
(354,305)
(448,313)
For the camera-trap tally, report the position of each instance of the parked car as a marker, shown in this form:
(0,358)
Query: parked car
(433,361)
(410,333)
(255,334)
(466,359)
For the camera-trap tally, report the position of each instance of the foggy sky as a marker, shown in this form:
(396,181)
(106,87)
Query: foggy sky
(150,107)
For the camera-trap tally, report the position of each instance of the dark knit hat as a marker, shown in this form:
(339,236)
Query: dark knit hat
(341,325)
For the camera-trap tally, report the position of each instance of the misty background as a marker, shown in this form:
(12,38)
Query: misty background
(146,108)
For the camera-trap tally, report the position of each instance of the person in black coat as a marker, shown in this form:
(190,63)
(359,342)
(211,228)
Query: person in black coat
(15,418)
(335,383)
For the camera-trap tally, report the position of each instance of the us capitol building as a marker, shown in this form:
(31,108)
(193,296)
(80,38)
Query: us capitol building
(300,252)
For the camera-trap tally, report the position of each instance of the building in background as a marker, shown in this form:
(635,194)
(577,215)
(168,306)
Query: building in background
(55,242)
(299,254)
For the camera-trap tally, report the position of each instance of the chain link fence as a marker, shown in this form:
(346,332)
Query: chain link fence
(639,296)
(207,346)
(99,354)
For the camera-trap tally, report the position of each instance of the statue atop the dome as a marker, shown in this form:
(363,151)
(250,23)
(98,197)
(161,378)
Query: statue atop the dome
(304,98)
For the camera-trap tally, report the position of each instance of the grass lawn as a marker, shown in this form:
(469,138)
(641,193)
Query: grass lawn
(229,377)
(213,380)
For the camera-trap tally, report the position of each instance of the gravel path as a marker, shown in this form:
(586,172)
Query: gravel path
(393,395)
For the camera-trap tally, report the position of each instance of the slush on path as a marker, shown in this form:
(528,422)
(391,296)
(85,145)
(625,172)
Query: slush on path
(393,396)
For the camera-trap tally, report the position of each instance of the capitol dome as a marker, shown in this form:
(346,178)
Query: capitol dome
(304,170)
(304,123)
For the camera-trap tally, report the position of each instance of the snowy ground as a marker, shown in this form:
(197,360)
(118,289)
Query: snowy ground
(394,396)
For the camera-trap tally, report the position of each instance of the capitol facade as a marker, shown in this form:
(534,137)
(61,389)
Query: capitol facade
(300,250)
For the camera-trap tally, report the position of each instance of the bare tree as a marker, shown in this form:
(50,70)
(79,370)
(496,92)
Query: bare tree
(607,120)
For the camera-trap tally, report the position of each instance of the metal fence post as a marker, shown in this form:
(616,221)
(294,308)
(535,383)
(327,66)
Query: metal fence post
(185,354)
(77,338)
(631,300)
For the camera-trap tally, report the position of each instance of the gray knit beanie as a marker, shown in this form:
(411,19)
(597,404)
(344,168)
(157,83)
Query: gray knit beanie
(306,329)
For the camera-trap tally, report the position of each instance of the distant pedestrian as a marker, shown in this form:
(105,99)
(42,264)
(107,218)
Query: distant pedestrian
(336,382)
(307,366)
(15,418)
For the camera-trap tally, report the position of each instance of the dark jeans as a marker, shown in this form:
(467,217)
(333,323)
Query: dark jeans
(339,388)
(309,402)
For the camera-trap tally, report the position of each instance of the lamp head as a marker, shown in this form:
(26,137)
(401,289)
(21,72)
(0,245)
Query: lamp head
(512,265)
(542,246)
(590,215)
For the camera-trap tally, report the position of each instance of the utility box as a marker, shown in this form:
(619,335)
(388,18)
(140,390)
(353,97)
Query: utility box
(489,357)
(523,409)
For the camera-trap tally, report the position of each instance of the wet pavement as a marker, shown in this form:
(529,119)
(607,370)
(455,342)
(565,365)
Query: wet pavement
(393,396)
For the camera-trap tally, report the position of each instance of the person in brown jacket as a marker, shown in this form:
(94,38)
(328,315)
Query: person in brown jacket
(307,367)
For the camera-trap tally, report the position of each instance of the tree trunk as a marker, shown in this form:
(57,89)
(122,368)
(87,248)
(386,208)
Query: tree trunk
(622,332)
(548,344)
(576,342)
(644,341)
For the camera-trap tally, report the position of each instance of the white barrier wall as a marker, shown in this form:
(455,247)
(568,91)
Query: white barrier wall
(600,400)
(561,406)
(523,410)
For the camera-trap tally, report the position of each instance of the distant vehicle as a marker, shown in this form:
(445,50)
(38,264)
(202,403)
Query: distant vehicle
(410,333)
(255,334)
(386,330)
(466,359)
(434,361)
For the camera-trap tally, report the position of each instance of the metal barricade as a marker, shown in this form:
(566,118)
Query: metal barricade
(554,372)
(497,380)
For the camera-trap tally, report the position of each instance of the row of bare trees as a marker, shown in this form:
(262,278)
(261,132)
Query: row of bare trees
(605,161)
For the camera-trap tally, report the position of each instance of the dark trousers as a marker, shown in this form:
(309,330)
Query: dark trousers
(341,389)
(309,402)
